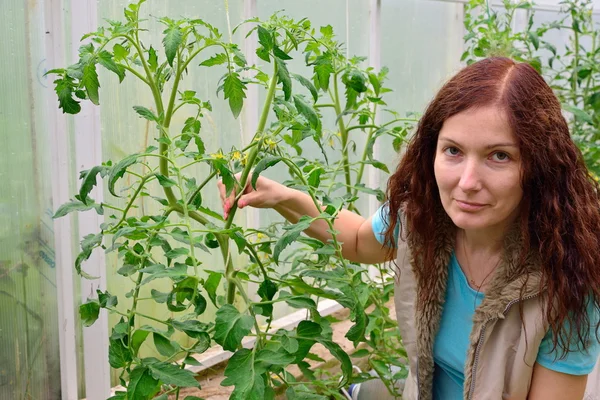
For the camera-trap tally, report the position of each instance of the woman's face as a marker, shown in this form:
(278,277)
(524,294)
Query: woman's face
(478,170)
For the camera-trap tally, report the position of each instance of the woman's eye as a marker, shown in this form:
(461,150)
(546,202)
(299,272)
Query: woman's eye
(451,151)
(500,156)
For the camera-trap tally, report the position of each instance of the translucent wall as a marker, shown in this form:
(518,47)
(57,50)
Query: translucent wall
(28,303)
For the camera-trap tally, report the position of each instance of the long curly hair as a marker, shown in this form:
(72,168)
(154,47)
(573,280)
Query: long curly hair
(560,209)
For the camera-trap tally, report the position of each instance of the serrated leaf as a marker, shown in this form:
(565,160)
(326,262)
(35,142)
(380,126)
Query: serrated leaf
(170,374)
(264,163)
(145,113)
(217,59)
(118,170)
(118,354)
(64,91)
(265,38)
(171,41)
(307,111)
(246,375)
(89,312)
(323,70)
(231,327)
(343,358)
(307,84)
(152,59)
(234,90)
(120,52)
(106,299)
(291,235)
(193,328)
(76,205)
(89,181)
(283,77)
(142,385)
(91,83)
(106,60)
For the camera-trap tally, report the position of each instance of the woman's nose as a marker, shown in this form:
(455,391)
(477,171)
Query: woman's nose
(470,179)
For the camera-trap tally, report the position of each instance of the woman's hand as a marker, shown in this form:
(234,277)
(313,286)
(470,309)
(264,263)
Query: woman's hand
(268,194)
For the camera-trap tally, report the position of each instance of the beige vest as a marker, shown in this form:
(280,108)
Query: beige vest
(500,360)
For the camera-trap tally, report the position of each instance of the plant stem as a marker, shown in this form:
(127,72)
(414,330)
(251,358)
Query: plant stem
(343,132)
(249,164)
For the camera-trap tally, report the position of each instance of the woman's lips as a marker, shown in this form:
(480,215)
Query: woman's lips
(469,206)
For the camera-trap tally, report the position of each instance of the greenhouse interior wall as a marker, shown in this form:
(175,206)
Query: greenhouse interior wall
(45,352)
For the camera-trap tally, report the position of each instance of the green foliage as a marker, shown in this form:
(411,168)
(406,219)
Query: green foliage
(289,267)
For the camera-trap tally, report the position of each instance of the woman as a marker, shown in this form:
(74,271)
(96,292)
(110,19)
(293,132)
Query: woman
(499,247)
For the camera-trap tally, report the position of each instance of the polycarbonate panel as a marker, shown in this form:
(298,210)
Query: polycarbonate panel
(421,44)
(123,133)
(28,299)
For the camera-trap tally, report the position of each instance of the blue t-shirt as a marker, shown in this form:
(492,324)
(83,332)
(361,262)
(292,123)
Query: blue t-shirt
(452,340)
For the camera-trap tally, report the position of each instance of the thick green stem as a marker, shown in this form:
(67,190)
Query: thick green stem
(343,133)
(243,178)
(361,168)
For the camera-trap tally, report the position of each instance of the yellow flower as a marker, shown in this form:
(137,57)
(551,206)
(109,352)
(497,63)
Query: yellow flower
(236,155)
(217,156)
(271,144)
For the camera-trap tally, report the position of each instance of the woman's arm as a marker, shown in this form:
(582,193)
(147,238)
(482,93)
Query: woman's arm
(552,385)
(355,232)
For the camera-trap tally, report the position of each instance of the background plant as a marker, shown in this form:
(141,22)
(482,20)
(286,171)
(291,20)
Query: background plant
(169,245)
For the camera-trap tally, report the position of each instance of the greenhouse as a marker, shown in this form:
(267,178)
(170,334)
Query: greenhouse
(300,199)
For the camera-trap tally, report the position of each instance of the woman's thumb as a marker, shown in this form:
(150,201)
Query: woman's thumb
(246,199)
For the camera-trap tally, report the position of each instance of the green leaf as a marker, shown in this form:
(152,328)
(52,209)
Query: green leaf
(64,91)
(163,345)
(217,59)
(307,111)
(307,84)
(193,328)
(246,376)
(342,357)
(89,312)
(106,60)
(289,344)
(171,41)
(202,344)
(265,38)
(170,374)
(264,163)
(578,113)
(234,90)
(323,70)
(211,285)
(118,354)
(273,358)
(90,82)
(159,297)
(357,332)
(309,330)
(145,113)
(282,55)
(142,385)
(89,181)
(120,52)
(76,205)
(164,181)
(301,302)
(231,327)
(106,299)
(88,244)
(283,77)
(152,59)
(137,338)
(292,234)
(118,170)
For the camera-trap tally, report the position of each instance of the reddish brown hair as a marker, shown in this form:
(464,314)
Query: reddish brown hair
(560,215)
